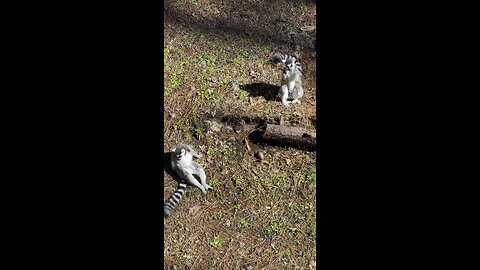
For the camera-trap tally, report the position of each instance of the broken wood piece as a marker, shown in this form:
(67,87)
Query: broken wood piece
(291,135)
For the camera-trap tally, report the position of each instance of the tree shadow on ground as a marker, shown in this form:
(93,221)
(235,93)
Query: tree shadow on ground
(269,27)
(268,91)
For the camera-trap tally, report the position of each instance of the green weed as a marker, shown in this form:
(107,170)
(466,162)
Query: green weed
(275,228)
(217,242)
(174,80)
(241,96)
(209,95)
(243,223)
(214,183)
(210,151)
(229,149)
(236,61)
(303,7)
(247,53)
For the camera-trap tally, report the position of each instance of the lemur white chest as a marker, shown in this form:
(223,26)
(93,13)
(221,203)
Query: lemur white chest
(185,162)
(290,78)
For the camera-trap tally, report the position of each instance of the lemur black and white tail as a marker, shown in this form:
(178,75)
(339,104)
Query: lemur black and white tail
(174,199)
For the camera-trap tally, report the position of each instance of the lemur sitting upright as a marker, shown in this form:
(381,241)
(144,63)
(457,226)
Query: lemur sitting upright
(291,87)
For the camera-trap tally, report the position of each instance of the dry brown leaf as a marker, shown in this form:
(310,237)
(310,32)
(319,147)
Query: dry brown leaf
(193,210)
(308,28)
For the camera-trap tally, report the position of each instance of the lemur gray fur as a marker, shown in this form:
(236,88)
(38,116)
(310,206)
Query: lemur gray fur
(183,164)
(291,87)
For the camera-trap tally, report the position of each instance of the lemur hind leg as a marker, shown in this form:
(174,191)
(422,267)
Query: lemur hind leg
(284,95)
(203,178)
(193,181)
(298,93)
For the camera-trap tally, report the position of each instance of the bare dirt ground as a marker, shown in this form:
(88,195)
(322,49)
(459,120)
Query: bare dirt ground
(219,84)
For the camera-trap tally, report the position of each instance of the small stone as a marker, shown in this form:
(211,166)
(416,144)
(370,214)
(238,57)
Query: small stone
(231,139)
(260,155)
(237,129)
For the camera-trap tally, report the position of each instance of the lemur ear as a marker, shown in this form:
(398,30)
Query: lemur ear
(297,55)
(173,150)
(277,58)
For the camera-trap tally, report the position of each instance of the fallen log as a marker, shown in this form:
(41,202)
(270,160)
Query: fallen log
(290,135)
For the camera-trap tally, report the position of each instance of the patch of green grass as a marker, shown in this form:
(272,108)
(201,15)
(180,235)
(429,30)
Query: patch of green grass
(264,62)
(311,176)
(207,59)
(242,69)
(184,63)
(237,207)
(247,53)
(165,52)
(209,95)
(312,228)
(217,242)
(243,223)
(214,183)
(174,80)
(303,7)
(222,82)
(236,61)
(204,78)
(276,227)
(280,180)
(166,90)
(229,149)
(181,52)
(241,96)
(211,151)
(238,182)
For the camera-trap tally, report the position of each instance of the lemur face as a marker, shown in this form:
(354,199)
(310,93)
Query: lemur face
(180,154)
(290,63)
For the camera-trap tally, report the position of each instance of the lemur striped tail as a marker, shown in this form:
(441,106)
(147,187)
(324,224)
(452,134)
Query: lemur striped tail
(174,199)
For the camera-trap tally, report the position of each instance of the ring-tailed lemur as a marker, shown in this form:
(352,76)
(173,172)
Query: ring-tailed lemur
(186,168)
(291,87)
